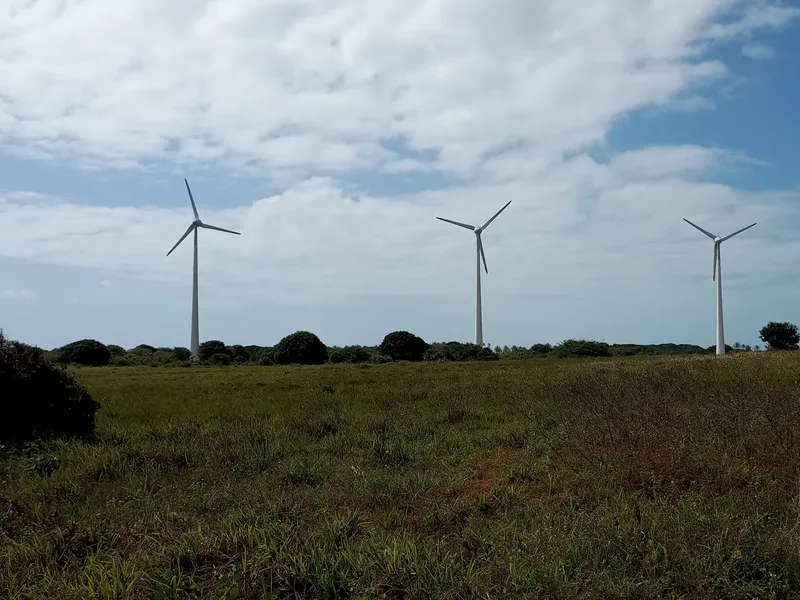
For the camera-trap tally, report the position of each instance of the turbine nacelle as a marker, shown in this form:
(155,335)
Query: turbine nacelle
(197,222)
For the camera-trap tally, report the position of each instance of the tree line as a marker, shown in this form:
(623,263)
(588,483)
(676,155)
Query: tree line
(304,347)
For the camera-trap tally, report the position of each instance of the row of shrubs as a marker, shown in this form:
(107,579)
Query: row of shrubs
(303,347)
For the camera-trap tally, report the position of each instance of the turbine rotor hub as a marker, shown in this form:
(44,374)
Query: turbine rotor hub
(477,230)
(717,240)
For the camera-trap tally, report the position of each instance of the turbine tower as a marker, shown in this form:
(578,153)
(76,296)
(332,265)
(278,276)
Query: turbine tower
(194,346)
(480,256)
(717,274)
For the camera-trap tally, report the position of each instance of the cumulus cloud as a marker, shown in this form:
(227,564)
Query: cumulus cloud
(316,240)
(332,86)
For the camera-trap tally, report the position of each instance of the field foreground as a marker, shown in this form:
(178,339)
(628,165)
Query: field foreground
(624,478)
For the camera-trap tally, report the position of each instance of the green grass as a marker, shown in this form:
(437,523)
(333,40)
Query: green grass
(619,478)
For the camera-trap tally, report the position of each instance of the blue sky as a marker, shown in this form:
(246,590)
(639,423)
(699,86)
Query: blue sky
(333,132)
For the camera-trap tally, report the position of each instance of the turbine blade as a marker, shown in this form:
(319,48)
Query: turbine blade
(495,215)
(483,256)
(716,259)
(727,237)
(183,237)
(191,199)
(711,235)
(464,225)
(219,229)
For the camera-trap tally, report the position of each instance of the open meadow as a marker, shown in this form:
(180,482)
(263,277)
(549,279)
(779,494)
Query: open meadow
(645,477)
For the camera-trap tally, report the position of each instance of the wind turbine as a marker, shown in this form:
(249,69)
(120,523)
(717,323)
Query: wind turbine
(481,256)
(194,347)
(718,276)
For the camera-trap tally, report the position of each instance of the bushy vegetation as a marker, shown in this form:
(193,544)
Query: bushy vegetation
(780,336)
(85,352)
(645,477)
(397,346)
(457,352)
(580,348)
(350,354)
(402,345)
(39,399)
(301,348)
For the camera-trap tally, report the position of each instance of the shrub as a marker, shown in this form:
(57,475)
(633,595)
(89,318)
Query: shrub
(577,348)
(541,350)
(350,354)
(656,349)
(85,352)
(181,354)
(220,359)
(142,350)
(254,353)
(267,356)
(302,348)
(780,336)
(457,352)
(162,356)
(402,345)
(239,355)
(210,348)
(116,350)
(39,398)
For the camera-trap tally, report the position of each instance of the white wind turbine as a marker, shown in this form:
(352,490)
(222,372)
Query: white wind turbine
(196,224)
(481,256)
(718,276)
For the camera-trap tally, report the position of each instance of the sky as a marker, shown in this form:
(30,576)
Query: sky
(331,133)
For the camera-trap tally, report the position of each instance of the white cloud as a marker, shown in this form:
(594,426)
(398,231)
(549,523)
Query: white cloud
(16,294)
(106,283)
(321,85)
(315,241)
(758,51)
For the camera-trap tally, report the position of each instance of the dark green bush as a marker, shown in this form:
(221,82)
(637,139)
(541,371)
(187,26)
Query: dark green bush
(267,356)
(39,398)
(655,349)
(239,355)
(780,336)
(578,348)
(212,347)
(254,353)
(220,359)
(402,345)
(302,348)
(85,352)
(116,350)
(458,352)
(350,354)
(181,354)
(142,350)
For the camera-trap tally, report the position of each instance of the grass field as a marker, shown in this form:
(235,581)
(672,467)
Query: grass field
(622,478)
